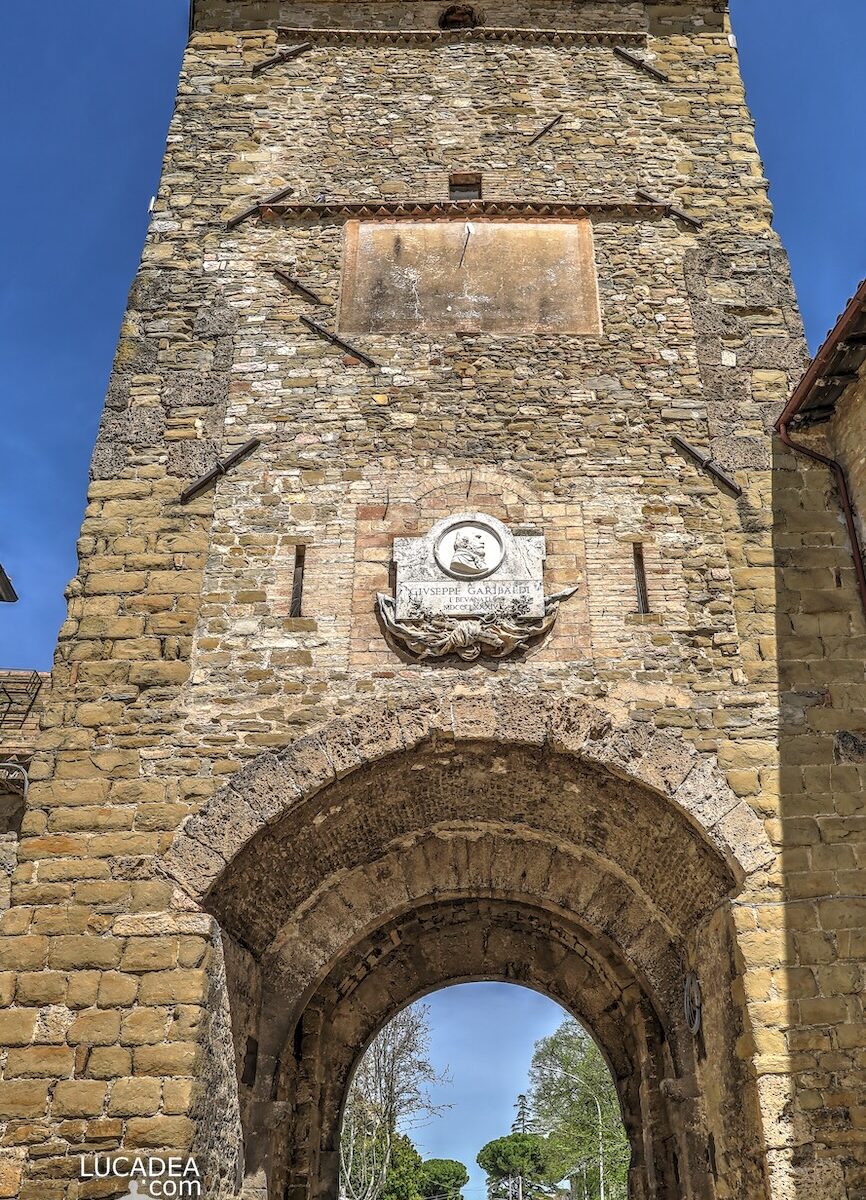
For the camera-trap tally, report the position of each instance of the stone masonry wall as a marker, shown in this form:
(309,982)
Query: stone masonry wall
(179,662)
(850,447)
(821,643)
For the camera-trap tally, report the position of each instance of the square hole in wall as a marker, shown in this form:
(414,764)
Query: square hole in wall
(464,185)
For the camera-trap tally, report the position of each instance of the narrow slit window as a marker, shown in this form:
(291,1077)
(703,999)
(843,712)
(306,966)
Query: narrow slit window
(464,185)
(640,578)
(251,1060)
(298,581)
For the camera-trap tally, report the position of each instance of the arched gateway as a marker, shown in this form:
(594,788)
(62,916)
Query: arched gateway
(442,614)
(504,837)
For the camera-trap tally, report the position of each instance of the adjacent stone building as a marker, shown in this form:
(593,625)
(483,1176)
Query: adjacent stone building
(22,695)
(477,292)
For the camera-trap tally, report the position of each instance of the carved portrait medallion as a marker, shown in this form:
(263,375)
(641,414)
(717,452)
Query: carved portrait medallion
(469,550)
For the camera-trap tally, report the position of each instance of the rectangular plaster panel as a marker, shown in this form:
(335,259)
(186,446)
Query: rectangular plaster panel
(479,275)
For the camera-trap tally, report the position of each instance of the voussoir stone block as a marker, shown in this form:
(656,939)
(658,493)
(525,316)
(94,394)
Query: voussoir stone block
(743,831)
(521,719)
(193,864)
(361,738)
(307,763)
(666,763)
(705,795)
(576,725)
(266,785)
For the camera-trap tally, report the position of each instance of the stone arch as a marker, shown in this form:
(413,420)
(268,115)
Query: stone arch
(622,840)
(261,793)
(464,940)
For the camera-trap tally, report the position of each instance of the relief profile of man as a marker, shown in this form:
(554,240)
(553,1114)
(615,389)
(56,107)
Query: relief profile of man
(469,556)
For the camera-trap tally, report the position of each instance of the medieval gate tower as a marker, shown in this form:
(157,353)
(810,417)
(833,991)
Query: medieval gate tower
(466,668)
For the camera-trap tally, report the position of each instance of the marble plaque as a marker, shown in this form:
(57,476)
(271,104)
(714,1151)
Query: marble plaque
(470,588)
(495,276)
(470,565)
(519,597)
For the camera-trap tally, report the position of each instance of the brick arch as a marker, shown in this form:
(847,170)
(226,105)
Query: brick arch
(664,764)
(478,486)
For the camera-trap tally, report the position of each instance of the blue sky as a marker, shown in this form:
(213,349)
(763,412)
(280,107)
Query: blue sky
(87,92)
(484,1034)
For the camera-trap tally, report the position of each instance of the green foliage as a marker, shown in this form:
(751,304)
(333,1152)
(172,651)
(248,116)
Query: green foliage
(410,1178)
(520,1159)
(404,1178)
(389,1092)
(567,1076)
(523,1120)
(443,1178)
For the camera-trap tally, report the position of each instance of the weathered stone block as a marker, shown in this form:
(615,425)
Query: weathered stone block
(17,1026)
(177,1059)
(41,1062)
(96,1028)
(135,1097)
(78,1098)
(170,1133)
(149,954)
(23,1098)
(70,953)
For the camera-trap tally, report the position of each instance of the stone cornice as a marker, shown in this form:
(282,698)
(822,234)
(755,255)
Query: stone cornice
(432,37)
(449,210)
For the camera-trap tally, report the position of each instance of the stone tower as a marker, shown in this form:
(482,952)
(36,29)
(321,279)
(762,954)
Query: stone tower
(335,728)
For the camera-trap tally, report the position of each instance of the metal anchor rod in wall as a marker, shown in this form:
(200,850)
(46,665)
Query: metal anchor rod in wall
(695,222)
(295,285)
(253,210)
(641,63)
(282,56)
(222,466)
(705,462)
(547,128)
(337,341)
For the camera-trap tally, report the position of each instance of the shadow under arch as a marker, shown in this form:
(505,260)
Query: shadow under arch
(512,837)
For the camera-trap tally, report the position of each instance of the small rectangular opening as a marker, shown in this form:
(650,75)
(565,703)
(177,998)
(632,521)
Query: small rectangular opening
(298,581)
(640,578)
(464,185)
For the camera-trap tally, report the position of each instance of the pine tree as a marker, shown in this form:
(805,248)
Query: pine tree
(522,1122)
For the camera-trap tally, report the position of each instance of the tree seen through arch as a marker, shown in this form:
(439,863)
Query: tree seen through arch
(566,1139)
